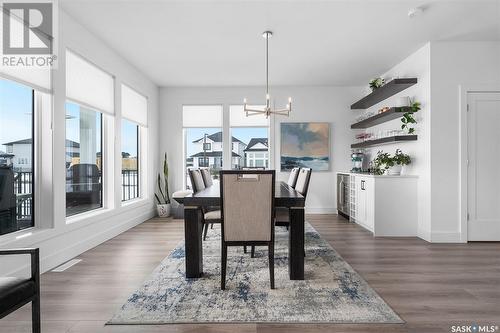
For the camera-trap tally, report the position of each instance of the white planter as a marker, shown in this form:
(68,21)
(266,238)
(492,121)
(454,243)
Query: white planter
(395,170)
(163,210)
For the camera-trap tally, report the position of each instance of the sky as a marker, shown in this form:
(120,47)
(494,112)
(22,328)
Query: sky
(243,134)
(15,112)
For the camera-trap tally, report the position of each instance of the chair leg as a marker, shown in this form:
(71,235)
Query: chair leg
(223,267)
(35,315)
(245,249)
(252,255)
(271,264)
(211,225)
(287,228)
(205,231)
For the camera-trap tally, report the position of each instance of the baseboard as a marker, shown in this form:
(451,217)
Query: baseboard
(55,259)
(445,237)
(321,210)
(424,234)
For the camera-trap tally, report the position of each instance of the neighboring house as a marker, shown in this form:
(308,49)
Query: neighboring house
(257,153)
(19,153)
(213,152)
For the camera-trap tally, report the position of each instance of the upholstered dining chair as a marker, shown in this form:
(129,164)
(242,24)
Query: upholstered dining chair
(16,292)
(209,216)
(292,179)
(207,177)
(301,186)
(247,217)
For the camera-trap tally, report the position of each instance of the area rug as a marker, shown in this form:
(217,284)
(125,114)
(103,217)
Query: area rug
(332,291)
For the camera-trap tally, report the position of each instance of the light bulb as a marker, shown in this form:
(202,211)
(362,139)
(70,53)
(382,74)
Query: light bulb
(267,96)
(244,101)
(289,100)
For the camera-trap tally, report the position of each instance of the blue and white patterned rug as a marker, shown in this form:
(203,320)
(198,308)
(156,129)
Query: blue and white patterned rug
(331,293)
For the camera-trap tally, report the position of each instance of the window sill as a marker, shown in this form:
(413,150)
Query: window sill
(86,215)
(23,235)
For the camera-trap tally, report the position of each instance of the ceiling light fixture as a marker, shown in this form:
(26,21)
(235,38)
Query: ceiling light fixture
(267,109)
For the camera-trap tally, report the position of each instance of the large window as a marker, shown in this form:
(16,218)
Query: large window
(250,139)
(203,138)
(130,160)
(83,159)
(16,157)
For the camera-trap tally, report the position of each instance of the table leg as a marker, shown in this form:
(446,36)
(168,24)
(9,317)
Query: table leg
(193,228)
(296,244)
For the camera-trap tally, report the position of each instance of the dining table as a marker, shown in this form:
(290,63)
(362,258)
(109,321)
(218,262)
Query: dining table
(284,196)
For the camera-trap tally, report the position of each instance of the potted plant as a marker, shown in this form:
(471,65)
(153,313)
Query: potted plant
(163,197)
(408,120)
(376,83)
(391,165)
(400,159)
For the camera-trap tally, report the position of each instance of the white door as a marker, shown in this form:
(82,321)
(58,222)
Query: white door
(483,173)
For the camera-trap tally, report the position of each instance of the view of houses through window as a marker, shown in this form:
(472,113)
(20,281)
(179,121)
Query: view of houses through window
(130,160)
(83,159)
(16,157)
(203,149)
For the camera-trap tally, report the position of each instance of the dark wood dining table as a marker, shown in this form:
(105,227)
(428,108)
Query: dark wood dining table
(285,196)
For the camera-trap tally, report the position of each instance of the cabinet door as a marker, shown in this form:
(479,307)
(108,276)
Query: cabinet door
(369,190)
(361,200)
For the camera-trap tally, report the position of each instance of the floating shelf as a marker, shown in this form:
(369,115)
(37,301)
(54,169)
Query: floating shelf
(389,89)
(393,113)
(382,141)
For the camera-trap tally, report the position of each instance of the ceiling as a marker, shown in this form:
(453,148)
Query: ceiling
(219,43)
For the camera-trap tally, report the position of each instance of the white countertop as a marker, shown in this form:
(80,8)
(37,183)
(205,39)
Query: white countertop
(376,176)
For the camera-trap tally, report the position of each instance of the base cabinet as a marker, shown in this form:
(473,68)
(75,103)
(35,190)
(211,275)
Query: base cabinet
(385,205)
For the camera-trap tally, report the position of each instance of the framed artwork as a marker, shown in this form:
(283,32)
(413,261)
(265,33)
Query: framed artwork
(305,145)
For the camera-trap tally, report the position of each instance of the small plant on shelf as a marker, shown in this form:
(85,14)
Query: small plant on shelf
(408,120)
(376,83)
(392,165)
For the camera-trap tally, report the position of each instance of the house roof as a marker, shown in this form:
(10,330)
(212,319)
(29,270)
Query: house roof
(213,154)
(69,143)
(254,141)
(217,137)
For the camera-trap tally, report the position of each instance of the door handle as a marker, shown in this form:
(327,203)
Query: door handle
(341,192)
(363,185)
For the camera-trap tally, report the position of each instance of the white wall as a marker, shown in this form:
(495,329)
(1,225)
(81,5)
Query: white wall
(60,241)
(416,65)
(323,104)
(453,64)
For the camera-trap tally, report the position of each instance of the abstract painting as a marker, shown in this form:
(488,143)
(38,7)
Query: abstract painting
(305,145)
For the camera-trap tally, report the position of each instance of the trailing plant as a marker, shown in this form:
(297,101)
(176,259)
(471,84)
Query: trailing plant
(376,83)
(163,196)
(408,120)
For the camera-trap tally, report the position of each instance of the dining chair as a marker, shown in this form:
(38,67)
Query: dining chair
(292,179)
(207,177)
(16,292)
(301,186)
(247,217)
(209,216)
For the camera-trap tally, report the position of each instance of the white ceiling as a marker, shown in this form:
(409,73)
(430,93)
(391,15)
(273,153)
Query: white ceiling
(219,43)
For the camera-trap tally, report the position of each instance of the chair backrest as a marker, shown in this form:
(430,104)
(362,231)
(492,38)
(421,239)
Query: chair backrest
(292,179)
(247,199)
(303,179)
(207,177)
(196,180)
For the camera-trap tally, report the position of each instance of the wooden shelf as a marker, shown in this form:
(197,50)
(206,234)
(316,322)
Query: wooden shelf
(393,113)
(390,139)
(384,92)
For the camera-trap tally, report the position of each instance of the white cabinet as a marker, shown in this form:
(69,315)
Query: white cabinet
(385,205)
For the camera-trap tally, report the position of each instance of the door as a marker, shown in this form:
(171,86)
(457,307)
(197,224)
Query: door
(483,173)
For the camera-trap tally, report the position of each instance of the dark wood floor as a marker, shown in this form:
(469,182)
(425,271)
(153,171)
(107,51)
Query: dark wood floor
(431,286)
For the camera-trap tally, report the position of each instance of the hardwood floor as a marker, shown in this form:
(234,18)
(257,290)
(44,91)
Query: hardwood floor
(431,286)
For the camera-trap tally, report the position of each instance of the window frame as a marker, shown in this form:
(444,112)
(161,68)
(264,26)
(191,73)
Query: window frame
(139,157)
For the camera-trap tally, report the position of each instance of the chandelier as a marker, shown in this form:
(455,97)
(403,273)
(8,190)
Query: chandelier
(267,109)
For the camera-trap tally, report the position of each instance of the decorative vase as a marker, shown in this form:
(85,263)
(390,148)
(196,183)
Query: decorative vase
(395,170)
(163,210)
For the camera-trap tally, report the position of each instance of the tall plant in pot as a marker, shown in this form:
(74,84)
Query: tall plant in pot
(163,196)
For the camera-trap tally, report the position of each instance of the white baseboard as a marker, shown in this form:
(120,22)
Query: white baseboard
(424,234)
(57,258)
(321,210)
(445,237)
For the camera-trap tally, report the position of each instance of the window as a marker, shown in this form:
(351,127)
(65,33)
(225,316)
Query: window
(202,138)
(250,139)
(83,159)
(130,160)
(16,156)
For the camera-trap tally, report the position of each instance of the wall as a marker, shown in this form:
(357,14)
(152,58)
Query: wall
(328,104)
(416,65)
(58,240)
(453,64)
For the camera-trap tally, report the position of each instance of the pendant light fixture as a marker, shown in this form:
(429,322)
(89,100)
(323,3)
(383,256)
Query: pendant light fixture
(267,109)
